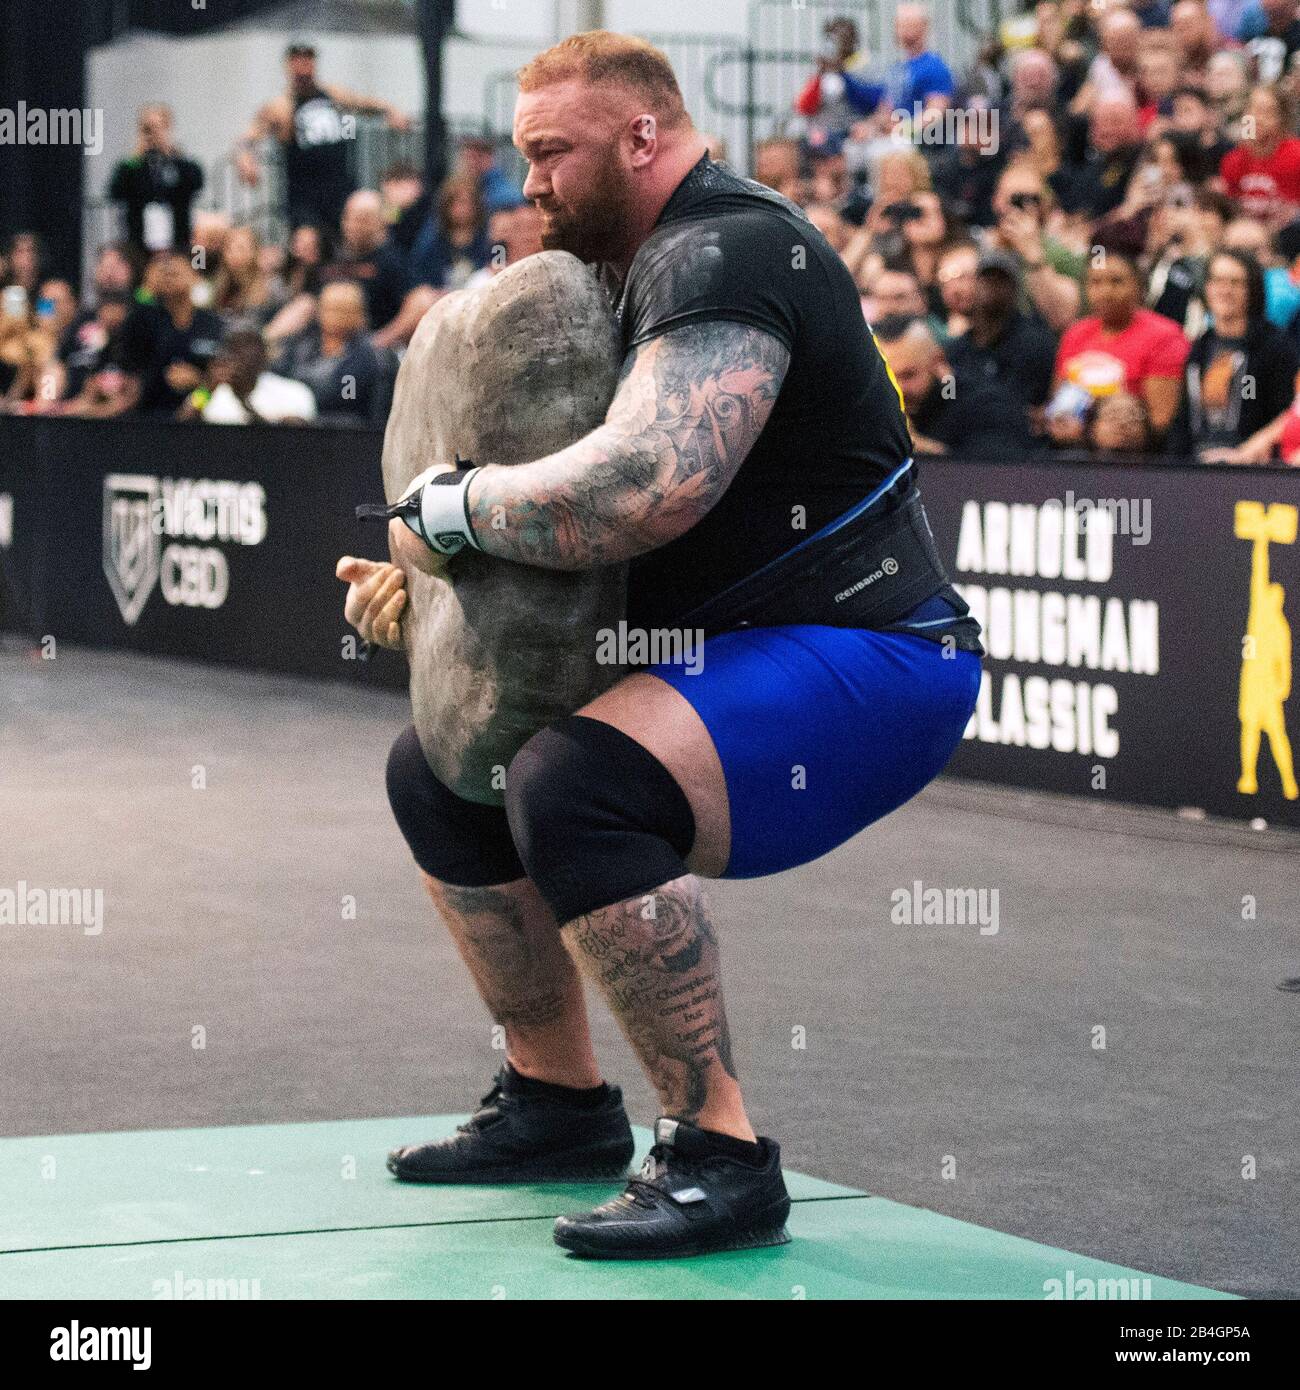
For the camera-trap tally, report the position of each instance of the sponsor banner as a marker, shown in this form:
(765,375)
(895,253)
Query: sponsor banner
(22,533)
(1138,619)
(1138,623)
(200,541)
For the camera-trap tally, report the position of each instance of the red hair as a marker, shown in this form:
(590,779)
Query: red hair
(600,56)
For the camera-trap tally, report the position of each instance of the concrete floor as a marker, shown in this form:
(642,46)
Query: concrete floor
(935,1065)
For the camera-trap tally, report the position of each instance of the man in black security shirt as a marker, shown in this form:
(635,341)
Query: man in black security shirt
(752,409)
(950,413)
(311,120)
(1103,149)
(1013,350)
(367,258)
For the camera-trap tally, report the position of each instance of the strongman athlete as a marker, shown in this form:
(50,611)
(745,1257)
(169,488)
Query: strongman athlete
(753,468)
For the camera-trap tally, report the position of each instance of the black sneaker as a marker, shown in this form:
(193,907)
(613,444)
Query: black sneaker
(688,1200)
(518,1138)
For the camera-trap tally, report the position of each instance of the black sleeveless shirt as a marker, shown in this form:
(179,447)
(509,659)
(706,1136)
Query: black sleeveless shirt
(726,248)
(316,155)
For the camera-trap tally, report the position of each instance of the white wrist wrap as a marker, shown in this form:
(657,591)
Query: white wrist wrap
(443,523)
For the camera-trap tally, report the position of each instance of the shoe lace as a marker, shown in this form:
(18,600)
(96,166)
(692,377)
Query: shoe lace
(645,1190)
(487,1102)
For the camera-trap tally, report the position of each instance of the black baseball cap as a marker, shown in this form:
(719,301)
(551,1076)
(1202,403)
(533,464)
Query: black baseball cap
(998,262)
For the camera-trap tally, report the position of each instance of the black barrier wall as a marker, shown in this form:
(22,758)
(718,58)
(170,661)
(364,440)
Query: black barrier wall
(190,540)
(1136,624)
(1136,618)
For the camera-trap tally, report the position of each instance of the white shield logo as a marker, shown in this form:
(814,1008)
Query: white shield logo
(131,545)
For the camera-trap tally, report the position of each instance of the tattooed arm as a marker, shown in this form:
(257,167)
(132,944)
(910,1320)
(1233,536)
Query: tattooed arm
(689,406)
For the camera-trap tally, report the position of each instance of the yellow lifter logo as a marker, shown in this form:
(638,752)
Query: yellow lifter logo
(1266,650)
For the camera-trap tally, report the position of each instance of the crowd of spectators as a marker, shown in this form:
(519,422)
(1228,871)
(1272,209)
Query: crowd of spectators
(1089,241)
(236,329)
(192,317)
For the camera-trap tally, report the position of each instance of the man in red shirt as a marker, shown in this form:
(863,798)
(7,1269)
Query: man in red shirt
(1263,173)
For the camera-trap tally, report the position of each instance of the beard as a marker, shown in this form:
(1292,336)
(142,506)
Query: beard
(594,225)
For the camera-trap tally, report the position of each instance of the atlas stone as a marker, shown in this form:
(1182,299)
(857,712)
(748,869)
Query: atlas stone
(505,373)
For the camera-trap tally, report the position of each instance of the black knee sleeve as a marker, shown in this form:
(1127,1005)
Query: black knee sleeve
(457,841)
(596,818)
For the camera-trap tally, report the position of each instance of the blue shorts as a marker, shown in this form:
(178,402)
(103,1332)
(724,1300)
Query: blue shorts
(822,730)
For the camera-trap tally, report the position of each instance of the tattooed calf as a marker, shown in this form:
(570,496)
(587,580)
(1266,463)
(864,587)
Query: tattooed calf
(658,970)
(521,976)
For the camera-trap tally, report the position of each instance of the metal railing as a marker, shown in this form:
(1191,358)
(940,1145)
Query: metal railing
(375,147)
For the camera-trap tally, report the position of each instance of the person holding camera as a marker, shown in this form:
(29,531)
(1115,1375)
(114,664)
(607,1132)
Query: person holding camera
(1049,270)
(29,370)
(898,178)
(156,187)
